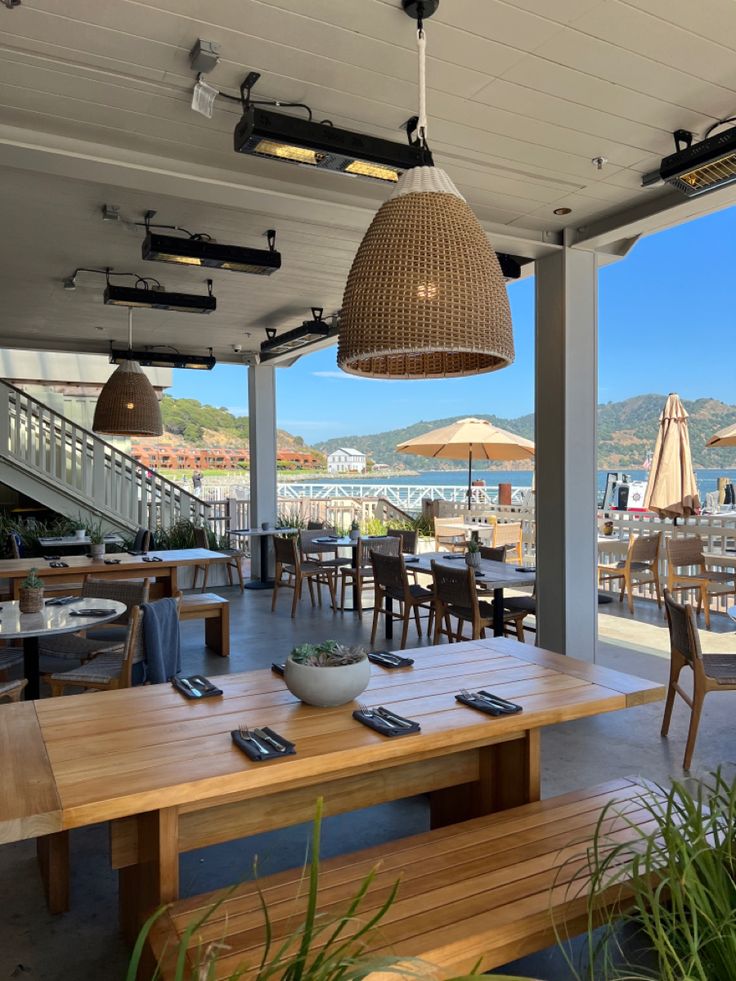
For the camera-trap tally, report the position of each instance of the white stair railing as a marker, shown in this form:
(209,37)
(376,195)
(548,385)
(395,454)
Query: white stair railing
(104,480)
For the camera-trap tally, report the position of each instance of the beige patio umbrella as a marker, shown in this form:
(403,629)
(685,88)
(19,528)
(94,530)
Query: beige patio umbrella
(724,437)
(672,491)
(470,439)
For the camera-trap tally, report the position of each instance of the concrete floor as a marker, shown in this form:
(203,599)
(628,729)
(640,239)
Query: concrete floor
(83,944)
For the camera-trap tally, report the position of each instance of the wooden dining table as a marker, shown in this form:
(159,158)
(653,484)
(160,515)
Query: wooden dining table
(163,770)
(120,566)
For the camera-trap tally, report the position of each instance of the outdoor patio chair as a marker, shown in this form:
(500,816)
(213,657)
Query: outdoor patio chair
(362,575)
(142,540)
(112,668)
(12,690)
(312,551)
(201,540)
(687,553)
(711,672)
(82,646)
(291,572)
(10,657)
(448,537)
(493,554)
(456,595)
(509,534)
(392,581)
(640,566)
(408,539)
(316,526)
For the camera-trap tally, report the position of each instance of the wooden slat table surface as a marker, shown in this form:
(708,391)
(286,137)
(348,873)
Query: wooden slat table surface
(29,803)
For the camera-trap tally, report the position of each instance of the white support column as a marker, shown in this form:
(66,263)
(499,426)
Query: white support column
(566,452)
(262,438)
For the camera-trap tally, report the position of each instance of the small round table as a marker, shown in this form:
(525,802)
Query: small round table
(29,627)
(732,612)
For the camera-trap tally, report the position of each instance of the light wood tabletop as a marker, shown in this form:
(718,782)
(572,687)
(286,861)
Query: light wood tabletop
(163,769)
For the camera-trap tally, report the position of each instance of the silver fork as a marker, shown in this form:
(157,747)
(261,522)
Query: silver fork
(246,734)
(477,697)
(369,713)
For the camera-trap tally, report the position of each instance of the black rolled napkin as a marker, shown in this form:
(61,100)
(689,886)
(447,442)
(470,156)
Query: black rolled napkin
(51,558)
(252,752)
(411,558)
(375,722)
(203,686)
(278,669)
(495,709)
(402,662)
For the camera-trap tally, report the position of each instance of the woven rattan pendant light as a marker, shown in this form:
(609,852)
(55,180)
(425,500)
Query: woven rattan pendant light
(127,404)
(425,297)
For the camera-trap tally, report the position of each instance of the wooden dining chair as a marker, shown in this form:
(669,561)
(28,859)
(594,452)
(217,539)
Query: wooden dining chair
(524,605)
(448,537)
(509,534)
(687,553)
(711,672)
(456,595)
(292,571)
(235,563)
(110,669)
(12,690)
(640,566)
(362,574)
(391,580)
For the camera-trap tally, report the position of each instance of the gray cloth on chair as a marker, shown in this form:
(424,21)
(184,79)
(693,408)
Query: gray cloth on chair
(161,640)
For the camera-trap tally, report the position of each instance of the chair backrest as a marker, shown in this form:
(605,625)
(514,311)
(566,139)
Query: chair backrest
(15,544)
(133,651)
(447,530)
(315,526)
(685,551)
(142,540)
(407,538)
(645,548)
(200,538)
(454,585)
(285,550)
(389,573)
(493,554)
(508,533)
(132,592)
(387,545)
(683,628)
(307,538)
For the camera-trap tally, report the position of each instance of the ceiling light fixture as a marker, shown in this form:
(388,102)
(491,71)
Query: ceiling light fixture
(425,297)
(164,359)
(200,250)
(698,168)
(310,331)
(159,299)
(562,211)
(278,136)
(127,404)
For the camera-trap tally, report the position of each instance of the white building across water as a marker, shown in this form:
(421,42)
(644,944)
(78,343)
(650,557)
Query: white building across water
(346,459)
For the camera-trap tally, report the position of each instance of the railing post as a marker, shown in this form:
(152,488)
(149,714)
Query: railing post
(98,473)
(5,402)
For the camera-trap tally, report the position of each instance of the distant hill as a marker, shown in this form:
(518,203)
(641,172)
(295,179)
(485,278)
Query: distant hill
(626,433)
(188,421)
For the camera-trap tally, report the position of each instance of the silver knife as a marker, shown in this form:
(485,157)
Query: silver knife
(393,718)
(190,687)
(262,734)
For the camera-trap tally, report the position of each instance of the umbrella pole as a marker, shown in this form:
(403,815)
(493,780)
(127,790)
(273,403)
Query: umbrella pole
(470,479)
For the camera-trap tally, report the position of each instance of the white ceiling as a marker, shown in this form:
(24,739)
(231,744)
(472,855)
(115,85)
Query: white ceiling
(95,107)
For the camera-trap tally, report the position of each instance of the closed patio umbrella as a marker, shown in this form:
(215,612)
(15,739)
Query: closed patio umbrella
(672,491)
(724,437)
(470,439)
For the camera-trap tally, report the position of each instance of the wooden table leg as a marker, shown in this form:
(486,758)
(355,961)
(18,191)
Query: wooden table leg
(154,880)
(508,776)
(52,852)
(172,582)
(217,632)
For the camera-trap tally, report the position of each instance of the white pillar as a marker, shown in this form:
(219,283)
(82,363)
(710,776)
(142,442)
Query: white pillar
(566,452)
(262,439)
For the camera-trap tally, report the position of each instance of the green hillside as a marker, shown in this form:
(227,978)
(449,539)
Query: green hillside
(626,433)
(189,421)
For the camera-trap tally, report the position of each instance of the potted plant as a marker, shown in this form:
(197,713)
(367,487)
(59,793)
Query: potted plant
(327,674)
(80,531)
(30,597)
(354,530)
(472,554)
(96,541)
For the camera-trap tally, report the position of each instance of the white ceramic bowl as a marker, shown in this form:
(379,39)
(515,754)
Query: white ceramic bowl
(327,687)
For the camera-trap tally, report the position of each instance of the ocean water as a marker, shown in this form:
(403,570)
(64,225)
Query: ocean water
(707,479)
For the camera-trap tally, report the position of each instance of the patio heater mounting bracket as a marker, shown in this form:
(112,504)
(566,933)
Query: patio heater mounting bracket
(683,139)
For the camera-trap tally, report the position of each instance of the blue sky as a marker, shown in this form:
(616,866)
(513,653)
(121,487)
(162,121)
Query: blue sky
(666,323)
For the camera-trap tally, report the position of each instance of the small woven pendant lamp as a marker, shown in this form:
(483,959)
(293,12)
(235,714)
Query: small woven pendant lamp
(127,404)
(425,297)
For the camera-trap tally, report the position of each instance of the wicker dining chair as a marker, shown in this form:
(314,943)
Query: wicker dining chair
(362,574)
(391,581)
(235,555)
(522,606)
(509,534)
(448,537)
(493,553)
(687,552)
(407,537)
(316,526)
(640,566)
(12,690)
(456,595)
(711,672)
(82,646)
(111,668)
(292,571)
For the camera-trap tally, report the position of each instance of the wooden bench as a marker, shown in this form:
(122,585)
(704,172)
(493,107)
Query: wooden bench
(487,890)
(215,611)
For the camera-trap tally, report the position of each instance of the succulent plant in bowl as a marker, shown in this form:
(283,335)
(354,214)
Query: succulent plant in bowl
(472,554)
(30,595)
(327,674)
(354,530)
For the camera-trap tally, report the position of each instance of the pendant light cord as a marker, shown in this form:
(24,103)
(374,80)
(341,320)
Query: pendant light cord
(422,48)
(130,328)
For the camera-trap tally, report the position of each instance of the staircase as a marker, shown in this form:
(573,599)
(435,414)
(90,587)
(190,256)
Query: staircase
(72,471)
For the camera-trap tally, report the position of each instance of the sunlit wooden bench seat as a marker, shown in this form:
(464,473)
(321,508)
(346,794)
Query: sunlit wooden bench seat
(215,611)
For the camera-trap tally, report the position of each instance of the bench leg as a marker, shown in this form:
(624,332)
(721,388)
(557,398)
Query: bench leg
(508,776)
(155,879)
(52,852)
(217,632)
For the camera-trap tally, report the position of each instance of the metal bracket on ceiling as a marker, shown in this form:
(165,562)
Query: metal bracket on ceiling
(420,9)
(246,85)
(683,139)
